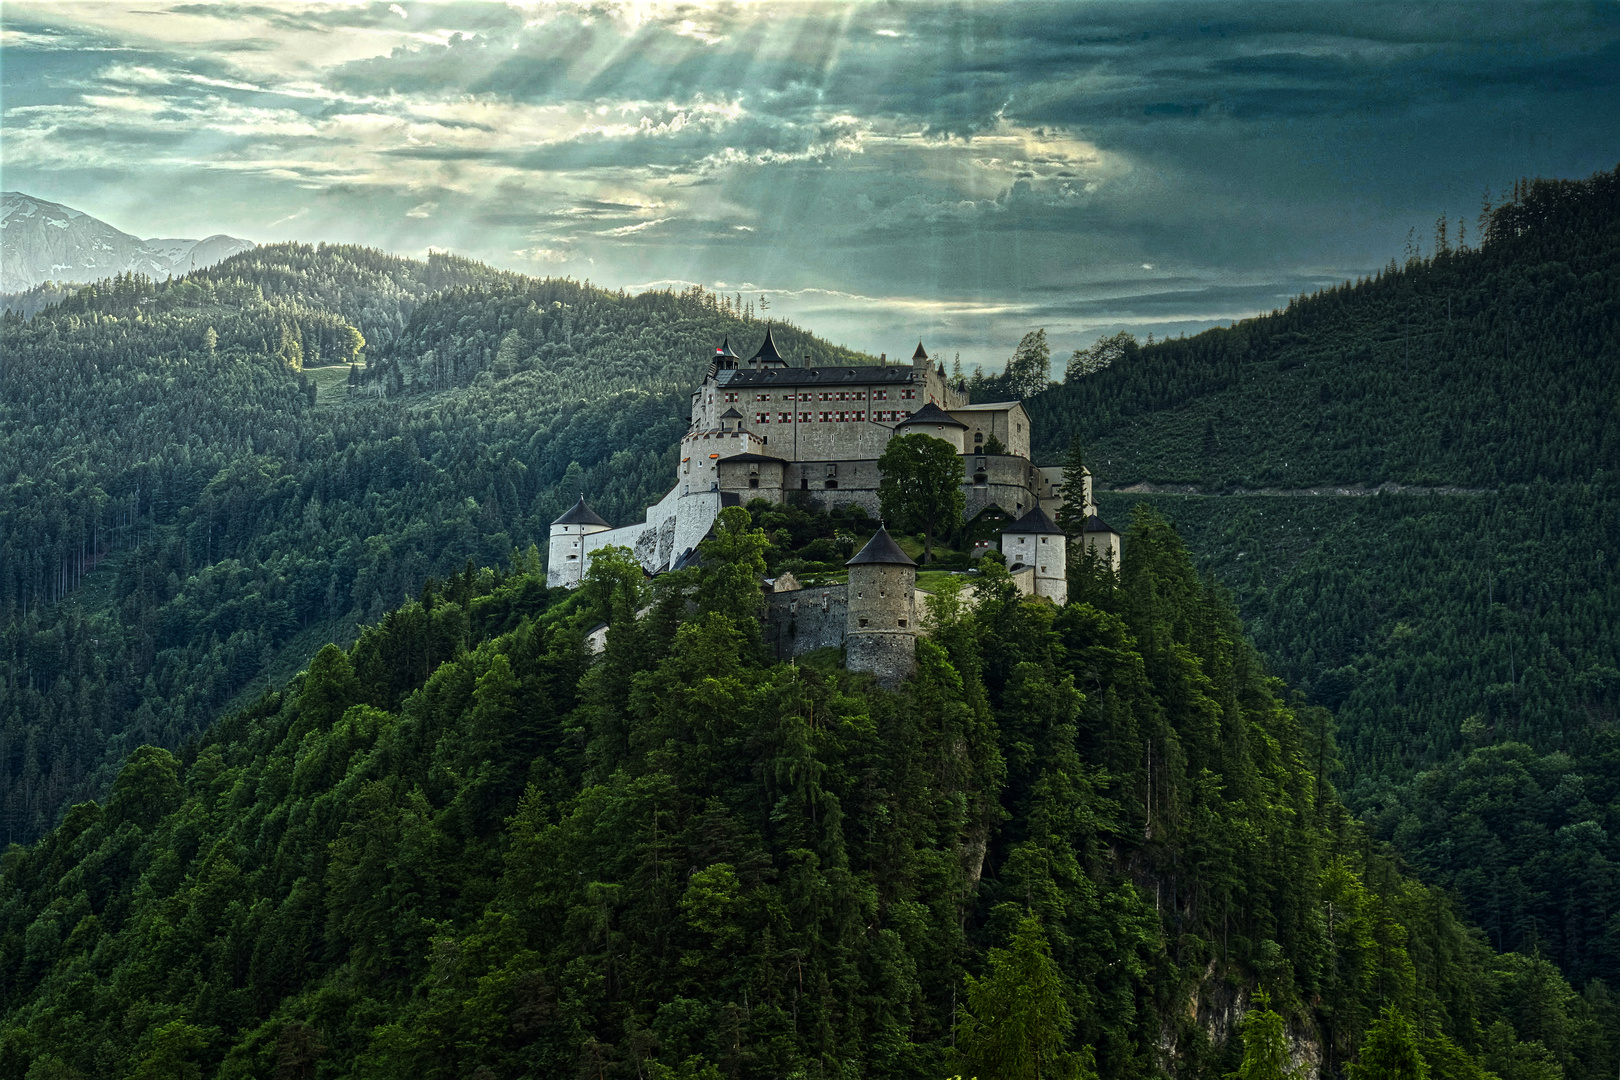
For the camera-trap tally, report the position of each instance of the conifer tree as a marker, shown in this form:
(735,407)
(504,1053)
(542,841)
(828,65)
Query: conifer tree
(1265,1050)
(1017,1022)
(1072,517)
(1390,1050)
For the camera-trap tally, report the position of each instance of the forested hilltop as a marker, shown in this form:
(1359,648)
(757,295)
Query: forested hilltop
(1078,842)
(192,499)
(1466,634)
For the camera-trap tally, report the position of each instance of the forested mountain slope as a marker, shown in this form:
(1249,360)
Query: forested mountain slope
(1468,638)
(466,847)
(178,503)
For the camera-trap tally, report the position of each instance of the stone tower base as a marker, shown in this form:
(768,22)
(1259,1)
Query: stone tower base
(892,657)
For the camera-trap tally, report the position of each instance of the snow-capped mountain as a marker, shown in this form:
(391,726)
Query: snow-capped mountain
(44,241)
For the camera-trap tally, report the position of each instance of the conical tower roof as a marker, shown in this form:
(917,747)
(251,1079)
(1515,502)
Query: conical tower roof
(581,515)
(920,354)
(767,349)
(1095,524)
(1036,521)
(881,550)
(723,352)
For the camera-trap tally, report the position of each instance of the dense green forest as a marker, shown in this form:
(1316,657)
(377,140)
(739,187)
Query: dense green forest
(1467,634)
(205,480)
(468,847)
(182,515)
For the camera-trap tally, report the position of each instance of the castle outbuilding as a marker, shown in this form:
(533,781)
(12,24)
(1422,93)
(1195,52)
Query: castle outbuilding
(1036,551)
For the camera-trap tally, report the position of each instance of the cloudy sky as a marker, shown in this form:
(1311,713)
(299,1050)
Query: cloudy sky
(881,171)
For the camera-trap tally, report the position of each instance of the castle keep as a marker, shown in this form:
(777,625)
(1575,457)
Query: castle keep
(767,428)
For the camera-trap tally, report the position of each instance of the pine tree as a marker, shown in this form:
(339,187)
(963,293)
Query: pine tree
(1390,1051)
(1265,1050)
(1072,517)
(1017,1022)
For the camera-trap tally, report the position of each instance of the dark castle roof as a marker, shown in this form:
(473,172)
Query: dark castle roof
(724,350)
(920,354)
(580,515)
(731,414)
(932,414)
(881,550)
(767,349)
(1096,524)
(755,459)
(822,376)
(1036,521)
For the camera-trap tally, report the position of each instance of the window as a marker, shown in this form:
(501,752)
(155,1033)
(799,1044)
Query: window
(762,418)
(978,437)
(908,394)
(842,415)
(863,624)
(1043,539)
(826,396)
(804,418)
(804,484)
(858,414)
(784,418)
(753,481)
(807,397)
(826,418)
(857,396)
(729,397)
(902,624)
(762,397)
(880,395)
(830,485)
(573,556)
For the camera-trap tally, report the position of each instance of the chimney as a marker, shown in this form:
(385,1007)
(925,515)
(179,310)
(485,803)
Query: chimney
(883,359)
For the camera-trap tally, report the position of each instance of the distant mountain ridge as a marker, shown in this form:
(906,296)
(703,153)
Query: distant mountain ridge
(43,241)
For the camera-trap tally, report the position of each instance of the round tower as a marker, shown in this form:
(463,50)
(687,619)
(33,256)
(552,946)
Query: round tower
(565,560)
(881,633)
(935,421)
(1036,543)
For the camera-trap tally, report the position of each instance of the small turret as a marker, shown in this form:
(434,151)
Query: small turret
(767,356)
(565,561)
(881,634)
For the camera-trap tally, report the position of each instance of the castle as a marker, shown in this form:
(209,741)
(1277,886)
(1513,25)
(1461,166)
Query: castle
(764,428)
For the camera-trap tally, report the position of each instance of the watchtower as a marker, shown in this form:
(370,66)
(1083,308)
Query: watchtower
(565,561)
(881,635)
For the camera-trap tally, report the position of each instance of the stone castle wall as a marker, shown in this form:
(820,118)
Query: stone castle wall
(805,620)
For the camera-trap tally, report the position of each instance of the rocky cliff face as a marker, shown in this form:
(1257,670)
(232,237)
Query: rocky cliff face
(44,241)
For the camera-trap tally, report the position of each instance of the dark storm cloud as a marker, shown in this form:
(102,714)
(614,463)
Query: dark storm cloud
(1149,164)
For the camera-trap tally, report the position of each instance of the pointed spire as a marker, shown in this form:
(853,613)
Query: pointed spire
(724,351)
(920,354)
(768,353)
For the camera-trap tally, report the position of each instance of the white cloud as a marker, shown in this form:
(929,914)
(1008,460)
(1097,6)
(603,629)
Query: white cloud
(422,210)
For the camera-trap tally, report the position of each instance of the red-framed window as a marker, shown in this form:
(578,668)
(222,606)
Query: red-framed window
(762,418)
(859,414)
(804,417)
(731,396)
(908,394)
(880,395)
(826,418)
(784,418)
(762,397)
